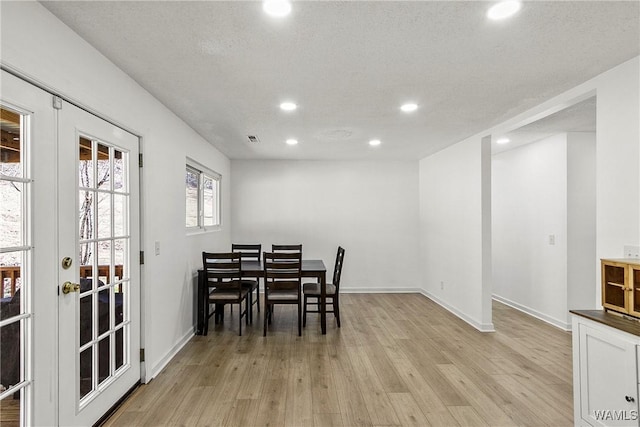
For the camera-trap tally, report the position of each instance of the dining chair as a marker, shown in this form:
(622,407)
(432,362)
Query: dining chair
(224,285)
(312,292)
(250,253)
(282,283)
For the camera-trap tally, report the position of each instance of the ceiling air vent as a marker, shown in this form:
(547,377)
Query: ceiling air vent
(253,139)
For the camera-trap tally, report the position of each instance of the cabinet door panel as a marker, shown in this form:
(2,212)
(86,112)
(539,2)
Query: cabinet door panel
(609,387)
(634,294)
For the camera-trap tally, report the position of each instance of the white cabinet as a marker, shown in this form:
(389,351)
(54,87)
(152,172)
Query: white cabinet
(605,369)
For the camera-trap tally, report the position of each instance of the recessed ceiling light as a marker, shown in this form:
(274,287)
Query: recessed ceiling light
(375,142)
(276,8)
(409,107)
(503,10)
(288,106)
(292,141)
(503,141)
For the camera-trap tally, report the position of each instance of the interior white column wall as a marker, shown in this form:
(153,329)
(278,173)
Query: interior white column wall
(39,46)
(581,221)
(369,208)
(452,230)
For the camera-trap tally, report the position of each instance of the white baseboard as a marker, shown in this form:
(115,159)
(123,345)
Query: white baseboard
(380,291)
(158,367)
(534,313)
(482,327)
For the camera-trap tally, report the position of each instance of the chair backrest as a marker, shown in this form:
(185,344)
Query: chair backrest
(286,248)
(337,270)
(282,270)
(223,270)
(248,252)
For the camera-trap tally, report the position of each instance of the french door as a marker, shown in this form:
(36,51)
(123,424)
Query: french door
(70,225)
(99,273)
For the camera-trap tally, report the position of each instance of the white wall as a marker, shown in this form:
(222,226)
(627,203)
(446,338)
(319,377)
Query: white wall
(581,221)
(369,208)
(529,190)
(37,45)
(452,235)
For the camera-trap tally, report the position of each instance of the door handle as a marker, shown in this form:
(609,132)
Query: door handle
(69,287)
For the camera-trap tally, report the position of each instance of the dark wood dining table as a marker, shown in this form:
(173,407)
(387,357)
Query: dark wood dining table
(314,268)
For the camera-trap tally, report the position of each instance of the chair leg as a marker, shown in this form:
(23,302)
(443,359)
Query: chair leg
(258,294)
(239,317)
(249,303)
(205,329)
(304,312)
(299,318)
(264,323)
(336,308)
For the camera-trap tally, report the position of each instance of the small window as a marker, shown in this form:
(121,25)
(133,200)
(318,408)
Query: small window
(202,198)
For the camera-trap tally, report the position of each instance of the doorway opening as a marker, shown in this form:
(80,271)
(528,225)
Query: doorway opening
(543,213)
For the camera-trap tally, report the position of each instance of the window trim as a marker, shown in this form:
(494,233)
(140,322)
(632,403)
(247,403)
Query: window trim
(204,173)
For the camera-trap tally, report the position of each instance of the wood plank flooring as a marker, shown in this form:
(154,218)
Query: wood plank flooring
(398,360)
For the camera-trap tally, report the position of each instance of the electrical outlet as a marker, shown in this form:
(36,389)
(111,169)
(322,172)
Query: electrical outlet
(552,239)
(632,251)
(157,247)
(441,285)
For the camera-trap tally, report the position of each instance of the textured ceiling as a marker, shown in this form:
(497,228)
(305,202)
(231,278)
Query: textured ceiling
(580,117)
(224,67)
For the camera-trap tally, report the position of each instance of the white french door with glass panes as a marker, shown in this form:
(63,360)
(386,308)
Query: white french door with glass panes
(98,233)
(69,256)
(28,308)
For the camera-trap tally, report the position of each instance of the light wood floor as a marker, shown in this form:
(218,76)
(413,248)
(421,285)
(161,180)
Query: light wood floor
(398,360)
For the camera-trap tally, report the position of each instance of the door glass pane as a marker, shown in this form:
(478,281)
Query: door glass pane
(85,259)
(11,213)
(104,215)
(119,217)
(104,262)
(86,214)
(86,163)
(10,149)
(86,371)
(86,314)
(119,177)
(119,348)
(119,304)
(104,168)
(11,272)
(120,255)
(104,359)
(104,305)
(11,350)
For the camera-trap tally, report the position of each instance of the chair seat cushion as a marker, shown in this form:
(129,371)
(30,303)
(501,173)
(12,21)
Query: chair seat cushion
(314,289)
(282,295)
(226,295)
